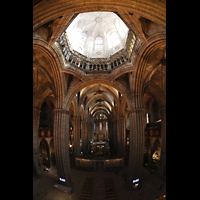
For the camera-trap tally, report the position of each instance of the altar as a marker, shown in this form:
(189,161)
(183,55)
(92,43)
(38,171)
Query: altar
(100,148)
(92,163)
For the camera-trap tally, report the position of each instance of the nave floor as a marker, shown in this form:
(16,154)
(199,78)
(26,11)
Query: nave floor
(43,187)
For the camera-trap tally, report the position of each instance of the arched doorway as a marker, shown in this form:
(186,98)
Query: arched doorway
(44,153)
(155,154)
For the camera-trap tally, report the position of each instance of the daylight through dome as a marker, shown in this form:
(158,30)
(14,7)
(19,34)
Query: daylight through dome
(97,34)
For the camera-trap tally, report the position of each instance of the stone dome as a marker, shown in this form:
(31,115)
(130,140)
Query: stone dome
(97,34)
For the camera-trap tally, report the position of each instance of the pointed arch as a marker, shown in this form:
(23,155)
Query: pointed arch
(48,52)
(141,63)
(78,87)
(152,89)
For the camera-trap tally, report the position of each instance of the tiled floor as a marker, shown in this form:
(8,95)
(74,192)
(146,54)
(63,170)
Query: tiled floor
(43,187)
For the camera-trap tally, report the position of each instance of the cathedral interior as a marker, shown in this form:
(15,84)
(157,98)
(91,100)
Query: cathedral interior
(99,99)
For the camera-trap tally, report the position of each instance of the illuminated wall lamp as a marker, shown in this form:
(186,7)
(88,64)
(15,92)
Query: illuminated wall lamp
(62,179)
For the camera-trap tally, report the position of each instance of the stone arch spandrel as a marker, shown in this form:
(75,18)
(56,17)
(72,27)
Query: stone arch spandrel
(155,11)
(54,68)
(141,65)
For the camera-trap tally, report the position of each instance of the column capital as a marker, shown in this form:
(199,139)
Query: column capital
(35,108)
(136,110)
(61,110)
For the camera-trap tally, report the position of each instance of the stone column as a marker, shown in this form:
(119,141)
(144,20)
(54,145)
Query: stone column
(136,144)
(111,135)
(90,129)
(87,66)
(163,145)
(107,132)
(115,135)
(61,145)
(104,129)
(77,135)
(97,129)
(36,152)
(83,136)
(109,66)
(122,135)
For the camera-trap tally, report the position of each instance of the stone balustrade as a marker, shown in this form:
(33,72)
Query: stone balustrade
(97,64)
(91,164)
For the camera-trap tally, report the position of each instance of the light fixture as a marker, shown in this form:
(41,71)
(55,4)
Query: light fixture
(136,180)
(62,179)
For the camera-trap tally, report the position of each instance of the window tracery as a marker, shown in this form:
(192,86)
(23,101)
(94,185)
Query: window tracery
(98,44)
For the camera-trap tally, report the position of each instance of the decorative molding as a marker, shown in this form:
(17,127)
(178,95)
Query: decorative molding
(136,110)
(36,109)
(74,58)
(61,110)
(162,108)
(122,117)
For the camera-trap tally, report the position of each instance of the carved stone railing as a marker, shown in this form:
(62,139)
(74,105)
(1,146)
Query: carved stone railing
(90,164)
(97,64)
